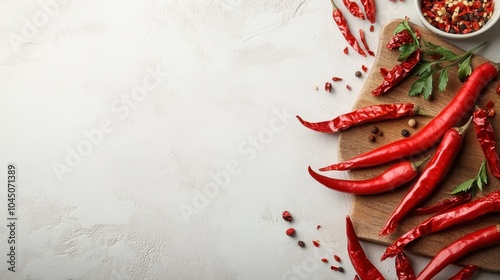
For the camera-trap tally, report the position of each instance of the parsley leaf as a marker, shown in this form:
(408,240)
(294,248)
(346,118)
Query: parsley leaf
(464,68)
(474,184)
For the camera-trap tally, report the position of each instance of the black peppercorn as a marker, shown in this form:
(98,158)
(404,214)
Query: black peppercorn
(374,130)
(405,133)
(301,243)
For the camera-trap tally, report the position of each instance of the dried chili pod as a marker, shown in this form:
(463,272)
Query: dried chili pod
(482,238)
(457,215)
(404,271)
(401,38)
(342,24)
(362,265)
(363,115)
(486,138)
(398,174)
(444,204)
(431,176)
(398,73)
(370,9)
(354,9)
(465,273)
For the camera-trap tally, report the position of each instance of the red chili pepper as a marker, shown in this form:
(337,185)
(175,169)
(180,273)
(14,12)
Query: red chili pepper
(356,277)
(465,273)
(336,79)
(354,9)
(384,71)
(429,135)
(372,28)
(395,176)
(370,9)
(430,178)
(364,68)
(486,138)
(404,271)
(401,38)
(337,258)
(346,50)
(366,114)
(482,238)
(362,265)
(341,22)
(459,214)
(444,205)
(365,44)
(398,73)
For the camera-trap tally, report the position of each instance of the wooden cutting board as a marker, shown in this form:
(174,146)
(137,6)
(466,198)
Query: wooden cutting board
(370,213)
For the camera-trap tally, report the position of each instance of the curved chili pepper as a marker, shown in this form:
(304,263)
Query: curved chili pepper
(341,22)
(362,265)
(430,134)
(404,271)
(390,179)
(363,115)
(486,138)
(398,73)
(365,44)
(444,205)
(354,9)
(370,9)
(430,178)
(459,214)
(482,238)
(465,273)
(401,38)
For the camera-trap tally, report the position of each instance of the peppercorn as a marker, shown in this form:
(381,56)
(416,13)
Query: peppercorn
(374,130)
(301,243)
(290,232)
(371,138)
(412,123)
(405,133)
(340,269)
(357,74)
(287,216)
(380,133)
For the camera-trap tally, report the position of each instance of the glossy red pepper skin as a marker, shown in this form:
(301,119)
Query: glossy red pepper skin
(482,238)
(459,214)
(404,271)
(343,26)
(430,134)
(362,265)
(444,205)
(363,115)
(354,9)
(401,38)
(370,9)
(433,174)
(395,176)
(486,138)
(398,73)
(465,273)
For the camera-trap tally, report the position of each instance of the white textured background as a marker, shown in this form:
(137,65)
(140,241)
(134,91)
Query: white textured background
(186,91)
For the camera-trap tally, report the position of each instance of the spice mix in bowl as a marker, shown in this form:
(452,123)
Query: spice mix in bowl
(457,19)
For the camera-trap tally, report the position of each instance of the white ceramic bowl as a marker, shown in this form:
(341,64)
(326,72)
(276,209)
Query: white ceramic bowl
(494,18)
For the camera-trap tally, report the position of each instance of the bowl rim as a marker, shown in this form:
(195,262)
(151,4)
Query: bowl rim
(494,18)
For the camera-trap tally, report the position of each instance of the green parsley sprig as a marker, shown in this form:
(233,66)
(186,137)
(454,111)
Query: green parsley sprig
(474,184)
(427,70)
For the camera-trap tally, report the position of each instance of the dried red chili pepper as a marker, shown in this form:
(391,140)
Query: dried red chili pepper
(365,44)
(395,176)
(404,271)
(362,265)
(336,79)
(346,50)
(316,243)
(431,176)
(384,71)
(430,134)
(342,24)
(482,238)
(398,73)
(364,68)
(465,273)
(328,86)
(354,9)
(287,216)
(364,115)
(459,214)
(444,205)
(401,38)
(497,90)
(325,260)
(372,28)
(337,258)
(370,9)
(486,138)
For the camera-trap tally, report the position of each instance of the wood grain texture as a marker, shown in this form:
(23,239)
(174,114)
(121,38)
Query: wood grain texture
(370,213)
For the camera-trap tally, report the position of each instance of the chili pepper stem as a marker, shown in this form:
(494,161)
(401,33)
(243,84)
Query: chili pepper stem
(419,111)
(334,5)
(417,164)
(461,130)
